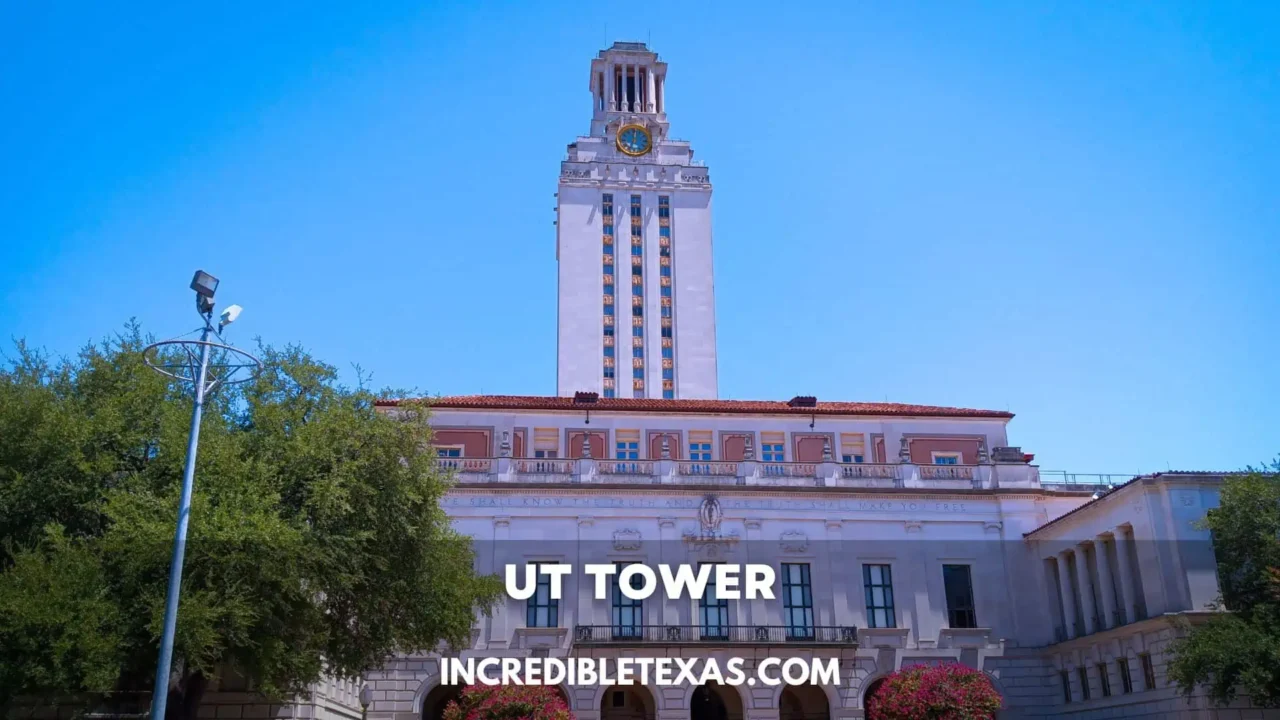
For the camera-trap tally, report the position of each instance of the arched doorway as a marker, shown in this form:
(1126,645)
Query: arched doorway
(803,702)
(868,699)
(623,702)
(438,699)
(714,701)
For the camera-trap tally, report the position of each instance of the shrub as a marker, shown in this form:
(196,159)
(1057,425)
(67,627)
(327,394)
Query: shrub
(508,702)
(940,692)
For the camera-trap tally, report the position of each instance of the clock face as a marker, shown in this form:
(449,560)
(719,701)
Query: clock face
(634,140)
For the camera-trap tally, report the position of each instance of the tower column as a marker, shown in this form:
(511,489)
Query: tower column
(650,86)
(662,93)
(1086,591)
(607,90)
(1106,585)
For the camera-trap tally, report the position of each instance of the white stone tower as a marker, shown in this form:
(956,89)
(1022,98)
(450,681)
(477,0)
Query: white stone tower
(633,241)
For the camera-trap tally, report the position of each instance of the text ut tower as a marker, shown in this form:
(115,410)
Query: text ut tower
(633,242)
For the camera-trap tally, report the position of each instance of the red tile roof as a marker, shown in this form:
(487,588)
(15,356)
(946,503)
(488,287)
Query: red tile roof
(752,407)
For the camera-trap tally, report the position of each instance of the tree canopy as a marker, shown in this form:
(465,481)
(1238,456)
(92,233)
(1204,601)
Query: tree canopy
(1239,651)
(317,544)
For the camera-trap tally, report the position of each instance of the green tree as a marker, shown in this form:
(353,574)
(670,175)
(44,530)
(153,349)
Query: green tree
(317,544)
(1239,650)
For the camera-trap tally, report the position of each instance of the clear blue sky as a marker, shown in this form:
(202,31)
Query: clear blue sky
(1068,210)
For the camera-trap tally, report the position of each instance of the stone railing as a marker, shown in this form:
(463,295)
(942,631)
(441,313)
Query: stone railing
(714,634)
(985,476)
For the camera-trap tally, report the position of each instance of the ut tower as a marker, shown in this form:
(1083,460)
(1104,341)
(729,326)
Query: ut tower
(636,309)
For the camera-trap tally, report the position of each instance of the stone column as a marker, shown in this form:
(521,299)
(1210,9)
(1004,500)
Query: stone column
(666,544)
(1087,606)
(1106,585)
(500,626)
(1068,598)
(650,105)
(1128,593)
(662,93)
(608,88)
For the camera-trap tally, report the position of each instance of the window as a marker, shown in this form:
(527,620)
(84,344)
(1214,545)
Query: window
(628,451)
(608,331)
(608,392)
(637,373)
(666,352)
(878,581)
(946,458)
(545,454)
(1126,680)
(668,374)
(608,351)
(638,311)
(959,588)
(771,452)
(546,442)
(609,372)
(608,310)
(608,289)
(628,614)
(637,352)
(666,331)
(1083,674)
(608,268)
(1104,680)
(637,290)
(542,610)
(797,601)
(713,613)
(637,331)
(700,451)
(608,203)
(664,206)
(636,250)
(666,311)
(1148,670)
(668,394)
(666,291)
(851,458)
(1066,685)
(449,451)
(852,447)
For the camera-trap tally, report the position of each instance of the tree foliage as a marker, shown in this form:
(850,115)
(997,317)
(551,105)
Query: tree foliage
(508,702)
(1240,650)
(939,692)
(317,544)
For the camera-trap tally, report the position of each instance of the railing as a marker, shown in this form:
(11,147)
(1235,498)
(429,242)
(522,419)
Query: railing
(862,470)
(1084,480)
(785,469)
(706,467)
(469,465)
(624,467)
(542,466)
(732,634)
(946,472)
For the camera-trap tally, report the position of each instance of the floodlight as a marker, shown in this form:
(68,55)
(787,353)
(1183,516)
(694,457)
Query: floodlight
(204,284)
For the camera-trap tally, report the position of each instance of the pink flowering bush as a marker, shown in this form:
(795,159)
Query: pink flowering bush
(941,692)
(508,702)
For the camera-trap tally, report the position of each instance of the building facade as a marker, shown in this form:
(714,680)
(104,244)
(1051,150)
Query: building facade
(900,534)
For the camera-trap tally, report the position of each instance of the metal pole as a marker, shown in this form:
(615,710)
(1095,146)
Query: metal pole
(160,696)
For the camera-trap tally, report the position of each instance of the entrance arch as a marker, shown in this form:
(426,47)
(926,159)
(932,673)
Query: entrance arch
(438,699)
(627,702)
(868,698)
(714,701)
(803,702)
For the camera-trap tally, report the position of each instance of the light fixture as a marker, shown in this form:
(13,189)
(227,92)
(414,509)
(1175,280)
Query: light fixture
(229,316)
(366,697)
(205,286)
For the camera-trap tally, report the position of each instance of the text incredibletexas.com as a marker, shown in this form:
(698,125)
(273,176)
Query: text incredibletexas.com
(661,671)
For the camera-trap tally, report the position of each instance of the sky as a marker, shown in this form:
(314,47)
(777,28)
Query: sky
(1066,210)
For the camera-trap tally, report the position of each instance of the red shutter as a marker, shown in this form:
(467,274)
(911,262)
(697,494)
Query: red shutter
(733,448)
(809,449)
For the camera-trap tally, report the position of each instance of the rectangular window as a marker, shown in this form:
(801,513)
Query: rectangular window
(700,451)
(608,289)
(628,614)
(771,452)
(637,352)
(666,331)
(958,583)
(878,581)
(1126,680)
(664,206)
(1082,674)
(545,454)
(666,311)
(1104,680)
(608,351)
(668,374)
(637,290)
(542,610)
(1066,685)
(637,311)
(608,268)
(608,205)
(852,447)
(637,250)
(713,613)
(608,392)
(1148,670)
(946,458)
(546,440)
(449,451)
(666,291)
(608,310)
(668,394)
(637,373)
(665,271)
(666,352)
(610,372)
(797,601)
(608,331)
(851,458)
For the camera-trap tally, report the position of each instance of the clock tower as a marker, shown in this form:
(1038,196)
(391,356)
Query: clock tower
(636,310)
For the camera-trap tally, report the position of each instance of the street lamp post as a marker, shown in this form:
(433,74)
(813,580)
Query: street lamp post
(206,376)
(366,697)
